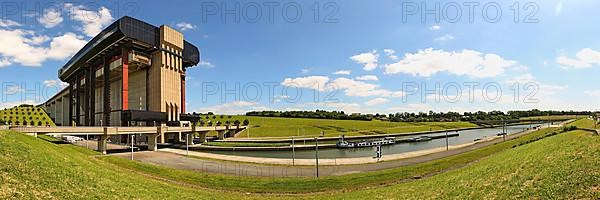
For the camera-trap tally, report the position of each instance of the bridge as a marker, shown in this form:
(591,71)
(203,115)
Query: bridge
(155,134)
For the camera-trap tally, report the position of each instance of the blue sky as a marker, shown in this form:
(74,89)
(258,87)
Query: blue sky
(359,56)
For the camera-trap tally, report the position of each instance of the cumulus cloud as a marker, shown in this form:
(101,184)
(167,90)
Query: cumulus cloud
(376,101)
(184,26)
(583,59)
(592,93)
(55,83)
(206,64)
(232,108)
(435,27)
(444,38)
(8,23)
(362,89)
(51,18)
(390,54)
(311,82)
(342,72)
(92,21)
(368,60)
(367,78)
(428,62)
(22,47)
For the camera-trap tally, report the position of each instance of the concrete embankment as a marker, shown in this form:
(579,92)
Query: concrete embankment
(299,145)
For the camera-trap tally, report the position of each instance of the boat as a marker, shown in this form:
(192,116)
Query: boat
(420,139)
(365,143)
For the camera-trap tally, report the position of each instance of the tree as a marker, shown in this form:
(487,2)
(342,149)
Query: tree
(218,123)
(237,123)
(246,122)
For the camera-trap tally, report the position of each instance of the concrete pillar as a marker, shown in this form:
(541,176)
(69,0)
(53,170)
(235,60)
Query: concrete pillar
(161,130)
(179,138)
(189,138)
(221,134)
(152,142)
(102,140)
(203,136)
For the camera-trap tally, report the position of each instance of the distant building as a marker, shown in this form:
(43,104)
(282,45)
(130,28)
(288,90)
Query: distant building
(132,71)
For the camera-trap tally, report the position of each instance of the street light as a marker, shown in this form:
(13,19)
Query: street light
(132,146)
(317,155)
(293,152)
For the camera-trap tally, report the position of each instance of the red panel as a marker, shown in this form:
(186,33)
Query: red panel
(183,94)
(125,87)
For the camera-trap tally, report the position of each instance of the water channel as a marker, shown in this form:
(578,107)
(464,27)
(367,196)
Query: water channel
(465,136)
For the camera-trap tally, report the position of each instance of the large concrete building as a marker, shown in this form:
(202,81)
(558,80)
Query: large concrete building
(131,73)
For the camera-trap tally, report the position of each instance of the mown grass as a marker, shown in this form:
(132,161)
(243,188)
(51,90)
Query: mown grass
(553,117)
(332,183)
(287,127)
(565,166)
(32,168)
(561,166)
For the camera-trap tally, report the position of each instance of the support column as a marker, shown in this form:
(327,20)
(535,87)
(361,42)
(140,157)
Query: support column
(152,142)
(86,103)
(182,94)
(106,95)
(71,95)
(203,136)
(78,101)
(92,96)
(125,79)
(189,138)
(102,140)
(221,134)
(161,132)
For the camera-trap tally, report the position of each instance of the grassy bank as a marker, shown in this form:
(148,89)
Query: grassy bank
(336,183)
(564,166)
(287,127)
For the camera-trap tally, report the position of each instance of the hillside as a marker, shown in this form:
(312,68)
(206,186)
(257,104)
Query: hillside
(566,165)
(25,116)
(286,127)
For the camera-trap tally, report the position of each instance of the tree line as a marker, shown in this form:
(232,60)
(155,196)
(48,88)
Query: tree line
(416,117)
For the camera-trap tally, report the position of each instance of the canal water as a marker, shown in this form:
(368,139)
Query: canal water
(465,136)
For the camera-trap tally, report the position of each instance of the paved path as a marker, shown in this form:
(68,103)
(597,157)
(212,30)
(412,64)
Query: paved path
(173,158)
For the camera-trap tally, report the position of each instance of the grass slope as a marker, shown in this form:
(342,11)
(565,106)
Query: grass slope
(561,166)
(26,116)
(285,127)
(564,166)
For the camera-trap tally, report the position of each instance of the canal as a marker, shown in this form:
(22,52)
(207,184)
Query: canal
(465,136)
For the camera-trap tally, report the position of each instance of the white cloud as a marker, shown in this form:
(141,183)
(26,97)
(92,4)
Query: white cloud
(558,8)
(304,71)
(368,59)
(428,62)
(184,26)
(8,23)
(312,82)
(342,72)
(363,89)
(592,93)
(206,64)
(55,83)
(92,21)
(232,108)
(583,59)
(376,101)
(4,62)
(50,18)
(390,53)
(444,38)
(22,47)
(435,27)
(367,78)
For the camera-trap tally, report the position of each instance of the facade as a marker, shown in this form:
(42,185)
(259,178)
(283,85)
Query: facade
(132,73)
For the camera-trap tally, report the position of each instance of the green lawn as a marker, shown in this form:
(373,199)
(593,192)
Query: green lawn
(565,166)
(553,117)
(539,166)
(245,144)
(287,127)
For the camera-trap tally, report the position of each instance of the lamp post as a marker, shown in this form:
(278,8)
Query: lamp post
(293,152)
(446,140)
(131,146)
(317,155)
